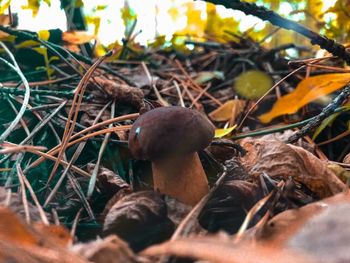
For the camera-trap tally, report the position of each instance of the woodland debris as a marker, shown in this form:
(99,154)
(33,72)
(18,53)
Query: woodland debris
(24,243)
(111,249)
(320,229)
(14,202)
(280,160)
(136,218)
(216,250)
(122,92)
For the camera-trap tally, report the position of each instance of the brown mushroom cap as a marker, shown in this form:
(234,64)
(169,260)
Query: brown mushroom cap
(167,131)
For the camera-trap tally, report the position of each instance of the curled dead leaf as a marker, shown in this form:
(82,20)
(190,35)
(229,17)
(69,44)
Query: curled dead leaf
(223,250)
(280,160)
(140,218)
(347,159)
(110,249)
(320,229)
(20,242)
(121,91)
(108,182)
(14,202)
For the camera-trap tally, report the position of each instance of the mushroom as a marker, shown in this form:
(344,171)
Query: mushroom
(170,137)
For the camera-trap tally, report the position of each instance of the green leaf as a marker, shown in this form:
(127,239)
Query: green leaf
(330,119)
(326,122)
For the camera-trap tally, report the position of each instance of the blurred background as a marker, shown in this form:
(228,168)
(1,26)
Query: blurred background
(171,21)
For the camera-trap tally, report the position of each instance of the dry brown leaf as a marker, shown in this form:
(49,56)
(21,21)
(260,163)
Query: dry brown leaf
(122,92)
(320,229)
(140,218)
(110,249)
(20,242)
(280,160)
(347,159)
(217,250)
(14,202)
(108,182)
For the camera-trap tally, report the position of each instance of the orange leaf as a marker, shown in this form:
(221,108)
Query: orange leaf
(309,89)
(229,110)
(77,37)
(13,230)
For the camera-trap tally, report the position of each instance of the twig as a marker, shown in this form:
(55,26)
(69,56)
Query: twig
(35,199)
(54,150)
(37,128)
(23,193)
(73,113)
(93,177)
(277,20)
(22,110)
(65,172)
(327,111)
(188,222)
(75,223)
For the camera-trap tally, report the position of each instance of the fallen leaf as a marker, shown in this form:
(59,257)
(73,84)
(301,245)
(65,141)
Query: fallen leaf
(347,159)
(217,249)
(76,37)
(228,207)
(308,90)
(320,229)
(280,160)
(219,133)
(339,171)
(252,84)
(228,111)
(14,202)
(206,76)
(108,182)
(140,218)
(44,35)
(224,149)
(123,93)
(110,249)
(24,243)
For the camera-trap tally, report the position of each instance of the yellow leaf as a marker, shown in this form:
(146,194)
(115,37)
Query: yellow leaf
(309,89)
(219,133)
(195,21)
(44,35)
(7,38)
(4,5)
(27,43)
(229,110)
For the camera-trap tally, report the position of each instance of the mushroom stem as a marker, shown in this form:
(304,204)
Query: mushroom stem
(181,177)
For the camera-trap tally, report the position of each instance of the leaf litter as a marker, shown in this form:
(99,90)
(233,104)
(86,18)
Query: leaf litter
(269,201)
